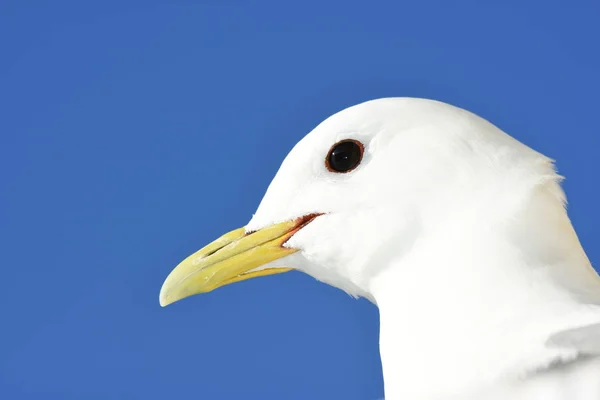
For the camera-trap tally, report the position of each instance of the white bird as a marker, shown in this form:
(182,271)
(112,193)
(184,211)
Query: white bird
(454,229)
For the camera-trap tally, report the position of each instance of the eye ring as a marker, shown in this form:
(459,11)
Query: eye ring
(344,156)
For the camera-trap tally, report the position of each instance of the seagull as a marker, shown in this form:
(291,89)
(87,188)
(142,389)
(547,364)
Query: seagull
(455,230)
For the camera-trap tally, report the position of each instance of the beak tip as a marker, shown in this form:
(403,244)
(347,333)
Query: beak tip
(163,302)
(164,298)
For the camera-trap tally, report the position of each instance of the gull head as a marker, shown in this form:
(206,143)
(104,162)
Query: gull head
(363,189)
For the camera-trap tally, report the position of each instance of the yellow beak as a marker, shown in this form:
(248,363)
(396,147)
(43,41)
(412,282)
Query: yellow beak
(234,257)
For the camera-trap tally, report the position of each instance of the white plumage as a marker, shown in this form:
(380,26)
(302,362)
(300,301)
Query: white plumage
(459,234)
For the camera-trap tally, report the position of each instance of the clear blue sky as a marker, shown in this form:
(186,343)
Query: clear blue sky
(134,132)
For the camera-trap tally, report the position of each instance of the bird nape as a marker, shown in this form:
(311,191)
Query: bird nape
(454,229)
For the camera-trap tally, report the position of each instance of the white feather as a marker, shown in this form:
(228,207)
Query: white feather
(459,234)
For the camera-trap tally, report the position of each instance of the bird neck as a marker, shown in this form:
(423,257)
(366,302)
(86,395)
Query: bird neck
(476,300)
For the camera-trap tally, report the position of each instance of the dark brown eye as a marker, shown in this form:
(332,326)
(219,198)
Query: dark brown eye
(344,156)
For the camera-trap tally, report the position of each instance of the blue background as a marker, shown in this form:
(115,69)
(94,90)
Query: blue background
(132,133)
